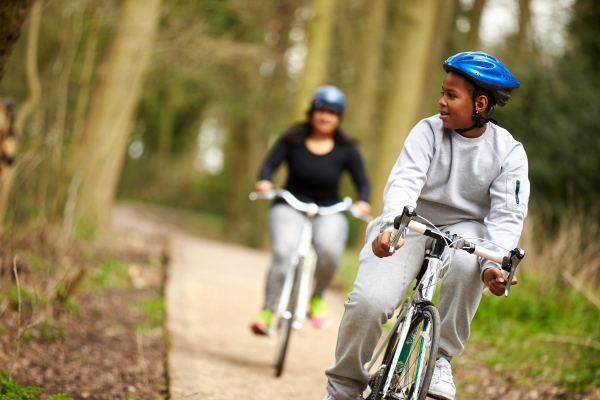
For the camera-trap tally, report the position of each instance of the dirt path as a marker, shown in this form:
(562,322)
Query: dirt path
(213,291)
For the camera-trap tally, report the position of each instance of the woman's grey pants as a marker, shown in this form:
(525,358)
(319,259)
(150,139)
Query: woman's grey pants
(329,239)
(381,285)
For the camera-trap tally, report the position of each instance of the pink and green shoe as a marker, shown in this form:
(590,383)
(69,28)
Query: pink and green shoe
(318,313)
(260,324)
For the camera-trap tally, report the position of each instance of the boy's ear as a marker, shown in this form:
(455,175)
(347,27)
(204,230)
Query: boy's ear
(481,103)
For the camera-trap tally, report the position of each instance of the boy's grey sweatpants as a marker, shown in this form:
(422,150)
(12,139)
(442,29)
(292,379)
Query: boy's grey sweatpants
(329,239)
(381,285)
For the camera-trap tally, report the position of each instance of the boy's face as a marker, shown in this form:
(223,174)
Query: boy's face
(456,104)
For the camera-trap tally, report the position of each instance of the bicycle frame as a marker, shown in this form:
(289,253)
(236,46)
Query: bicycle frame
(305,259)
(422,295)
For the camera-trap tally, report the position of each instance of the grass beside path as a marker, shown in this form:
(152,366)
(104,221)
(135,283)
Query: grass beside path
(545,331)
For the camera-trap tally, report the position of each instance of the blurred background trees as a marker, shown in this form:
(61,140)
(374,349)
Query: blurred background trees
(180,107)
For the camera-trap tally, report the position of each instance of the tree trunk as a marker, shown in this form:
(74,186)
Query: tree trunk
(439,53)
(87,73)
(371,49)
(416,25)
(173,98)
(112,111)
(58,130)
(238,153)
(320,32)
(472,43)
(12,16)
(523,35)
(245,151)
(35,93)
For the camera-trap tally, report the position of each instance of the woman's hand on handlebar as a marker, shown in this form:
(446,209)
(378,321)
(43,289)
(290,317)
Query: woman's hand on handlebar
(363,207)
(263,186)
(493,279)
(381,244)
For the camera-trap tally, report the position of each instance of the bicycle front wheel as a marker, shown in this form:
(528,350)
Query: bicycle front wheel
(284,338)
(285,327)
(412,373)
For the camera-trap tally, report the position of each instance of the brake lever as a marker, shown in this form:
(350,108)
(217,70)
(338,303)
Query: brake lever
(516,256)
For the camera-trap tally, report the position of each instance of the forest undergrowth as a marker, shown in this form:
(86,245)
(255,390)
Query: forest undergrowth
(82,319)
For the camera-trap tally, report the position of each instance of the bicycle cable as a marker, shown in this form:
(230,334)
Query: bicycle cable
(447,261)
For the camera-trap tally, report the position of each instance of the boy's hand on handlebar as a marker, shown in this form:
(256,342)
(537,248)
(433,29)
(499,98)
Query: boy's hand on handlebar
(381,244)
(363,207)
(263,186)
(493,279)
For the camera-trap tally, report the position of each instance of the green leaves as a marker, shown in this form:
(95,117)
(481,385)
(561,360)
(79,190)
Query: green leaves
(12,391)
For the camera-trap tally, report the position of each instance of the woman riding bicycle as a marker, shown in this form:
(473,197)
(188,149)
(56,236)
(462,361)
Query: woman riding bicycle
(317,151)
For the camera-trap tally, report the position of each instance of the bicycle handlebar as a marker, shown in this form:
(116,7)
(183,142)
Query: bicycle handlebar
(311,208)
(508,262)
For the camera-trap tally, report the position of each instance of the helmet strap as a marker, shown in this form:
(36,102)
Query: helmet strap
(480,120)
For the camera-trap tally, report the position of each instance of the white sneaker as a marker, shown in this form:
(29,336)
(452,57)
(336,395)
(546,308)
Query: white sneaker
(442,386)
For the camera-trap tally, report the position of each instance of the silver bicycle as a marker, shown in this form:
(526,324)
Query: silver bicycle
(411,346)
(292,306)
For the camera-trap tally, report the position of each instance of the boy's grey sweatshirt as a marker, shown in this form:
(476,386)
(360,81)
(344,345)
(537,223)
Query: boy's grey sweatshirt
(450,178)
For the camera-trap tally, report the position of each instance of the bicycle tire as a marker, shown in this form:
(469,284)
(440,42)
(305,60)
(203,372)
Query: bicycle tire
(285,328)
(284,338)
(402,385)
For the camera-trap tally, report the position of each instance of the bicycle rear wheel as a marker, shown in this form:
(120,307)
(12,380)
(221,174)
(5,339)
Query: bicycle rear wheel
(416,363)
(285,325)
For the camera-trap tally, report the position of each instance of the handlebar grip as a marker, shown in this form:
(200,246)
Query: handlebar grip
(394,239)
(489,254)
(400,223)
(486,290)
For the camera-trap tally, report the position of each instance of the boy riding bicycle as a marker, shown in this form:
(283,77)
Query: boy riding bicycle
(464,174)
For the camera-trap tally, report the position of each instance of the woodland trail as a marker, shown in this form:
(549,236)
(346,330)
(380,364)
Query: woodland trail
(213,291)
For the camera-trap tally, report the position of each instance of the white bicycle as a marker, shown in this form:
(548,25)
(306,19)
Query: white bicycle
(411,346)
(292,306)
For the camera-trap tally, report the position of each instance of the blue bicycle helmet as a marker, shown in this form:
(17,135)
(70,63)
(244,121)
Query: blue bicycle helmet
(484,71)
(328,98)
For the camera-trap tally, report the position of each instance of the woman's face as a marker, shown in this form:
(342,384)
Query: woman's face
(456,104)
(324,122)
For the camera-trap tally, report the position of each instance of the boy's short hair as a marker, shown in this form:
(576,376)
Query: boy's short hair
(480,92)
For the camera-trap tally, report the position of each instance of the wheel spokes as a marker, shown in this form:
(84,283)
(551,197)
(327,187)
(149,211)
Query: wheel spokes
(404,382)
